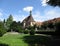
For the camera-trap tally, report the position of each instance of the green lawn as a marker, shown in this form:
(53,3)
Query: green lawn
(22,40)
(13,40)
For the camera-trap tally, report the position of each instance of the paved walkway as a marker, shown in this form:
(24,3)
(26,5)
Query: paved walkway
(11,33)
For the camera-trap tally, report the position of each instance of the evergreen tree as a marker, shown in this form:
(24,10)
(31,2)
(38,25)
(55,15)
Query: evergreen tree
(9,21)
(4,21)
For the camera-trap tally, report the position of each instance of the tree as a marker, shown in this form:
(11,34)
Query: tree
(16,26)
(57,28)
(45,25)
(13,26)
(51,25)
(9,21)
(54,2)
(2,29)
(32,32)
(4,21)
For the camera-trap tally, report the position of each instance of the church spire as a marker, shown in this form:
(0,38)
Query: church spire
(30,13)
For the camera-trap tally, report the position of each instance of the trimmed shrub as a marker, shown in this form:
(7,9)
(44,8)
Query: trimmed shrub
(20,31)
(32,32)
(26,31)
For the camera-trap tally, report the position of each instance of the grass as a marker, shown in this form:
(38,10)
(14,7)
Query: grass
(13,40)
(22,40)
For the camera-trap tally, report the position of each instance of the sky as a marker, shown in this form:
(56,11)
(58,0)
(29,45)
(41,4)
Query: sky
(19,9)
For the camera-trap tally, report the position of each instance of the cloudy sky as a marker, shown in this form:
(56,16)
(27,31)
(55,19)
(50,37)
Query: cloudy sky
(20,9)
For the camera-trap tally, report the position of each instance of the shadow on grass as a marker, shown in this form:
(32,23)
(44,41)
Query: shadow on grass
(2,44)
(37,40)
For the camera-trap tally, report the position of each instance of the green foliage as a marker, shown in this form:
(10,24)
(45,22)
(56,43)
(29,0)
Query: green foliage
(32,32)
(9,21)
(57,25)
(54,2)
(2,32)
(24,40)
(36,39)
(20,30)
(4,21)
(31,27)
(13,26)
(16,26)
(2,29)
(45,25)
(26,31)
(50,25)
(13,39)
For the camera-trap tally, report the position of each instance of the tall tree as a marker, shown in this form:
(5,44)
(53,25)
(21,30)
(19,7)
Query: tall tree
(16,26)
(54,2)
(4,21)
(9,21)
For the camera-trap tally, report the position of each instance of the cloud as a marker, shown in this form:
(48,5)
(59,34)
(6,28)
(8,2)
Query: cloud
(19,17)
(1,10)
(1,14)
(44,2)
(28,8)
(48,14)
(38,16)
(52,14)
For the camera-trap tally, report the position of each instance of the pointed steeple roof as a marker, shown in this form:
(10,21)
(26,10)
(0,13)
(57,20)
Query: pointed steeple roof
(29,18)
(30,13)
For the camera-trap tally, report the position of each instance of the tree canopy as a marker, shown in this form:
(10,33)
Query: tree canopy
(54,2)
(9,21)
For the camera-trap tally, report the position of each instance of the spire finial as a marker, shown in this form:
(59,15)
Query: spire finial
(30,12)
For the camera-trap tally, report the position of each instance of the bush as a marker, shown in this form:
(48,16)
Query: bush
(2,32)
(26,31)
(57,28)
(32,32)
(2,29)
(21,31)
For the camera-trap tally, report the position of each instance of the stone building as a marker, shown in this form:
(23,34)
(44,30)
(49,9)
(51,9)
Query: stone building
(28,21)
